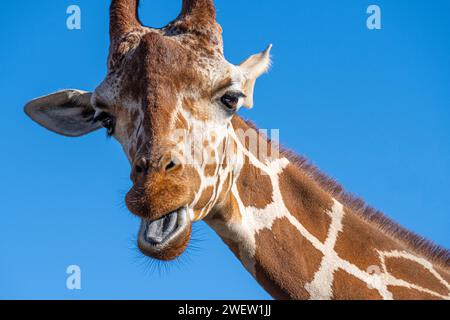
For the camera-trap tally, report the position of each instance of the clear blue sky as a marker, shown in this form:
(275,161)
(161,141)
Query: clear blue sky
(370,108)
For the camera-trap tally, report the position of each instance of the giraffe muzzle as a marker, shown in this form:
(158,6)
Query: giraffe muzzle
(162,238)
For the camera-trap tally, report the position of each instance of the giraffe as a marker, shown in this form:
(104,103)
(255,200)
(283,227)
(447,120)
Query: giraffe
(171,99)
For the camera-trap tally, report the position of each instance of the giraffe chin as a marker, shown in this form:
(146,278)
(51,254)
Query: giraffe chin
(165,238)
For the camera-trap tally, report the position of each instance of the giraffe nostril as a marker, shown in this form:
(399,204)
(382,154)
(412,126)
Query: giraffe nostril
(172,164)
(141,166)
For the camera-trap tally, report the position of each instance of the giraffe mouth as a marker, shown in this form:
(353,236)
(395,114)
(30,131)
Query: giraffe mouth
(168,232)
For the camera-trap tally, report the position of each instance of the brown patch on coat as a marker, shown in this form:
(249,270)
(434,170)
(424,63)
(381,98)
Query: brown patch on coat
(210,156)
(413,272)
(285,261)
(227,208)
(230,211)
(358,242)
(348,287)
(306,201)
(401,293)
(205,198)
(210,170)
(226,186)
(254,187)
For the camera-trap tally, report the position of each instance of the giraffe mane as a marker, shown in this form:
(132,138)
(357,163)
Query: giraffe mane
(417,243)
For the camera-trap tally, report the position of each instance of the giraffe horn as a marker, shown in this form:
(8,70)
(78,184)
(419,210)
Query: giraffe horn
(123,17)
(199,17)
(201,12)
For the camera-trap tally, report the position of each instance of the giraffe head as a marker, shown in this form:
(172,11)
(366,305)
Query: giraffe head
(169,97)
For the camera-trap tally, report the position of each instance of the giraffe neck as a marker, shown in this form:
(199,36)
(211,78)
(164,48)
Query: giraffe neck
(301,243)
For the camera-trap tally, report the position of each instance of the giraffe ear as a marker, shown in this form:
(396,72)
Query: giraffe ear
(252,68)
(67,112)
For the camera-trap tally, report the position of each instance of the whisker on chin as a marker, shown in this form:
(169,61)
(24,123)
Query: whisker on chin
(152,266)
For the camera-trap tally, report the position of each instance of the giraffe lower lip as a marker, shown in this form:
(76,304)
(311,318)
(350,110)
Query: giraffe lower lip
(160,233)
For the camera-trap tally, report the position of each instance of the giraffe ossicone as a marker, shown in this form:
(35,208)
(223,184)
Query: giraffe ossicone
(170,98)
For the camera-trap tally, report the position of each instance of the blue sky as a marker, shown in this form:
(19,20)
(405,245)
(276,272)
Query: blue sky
(370,108)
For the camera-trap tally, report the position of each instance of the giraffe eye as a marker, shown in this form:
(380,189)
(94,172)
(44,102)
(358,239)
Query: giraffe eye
(231,100)
(107,121)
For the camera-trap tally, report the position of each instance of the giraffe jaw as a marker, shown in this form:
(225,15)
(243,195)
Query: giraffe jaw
(167,237)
